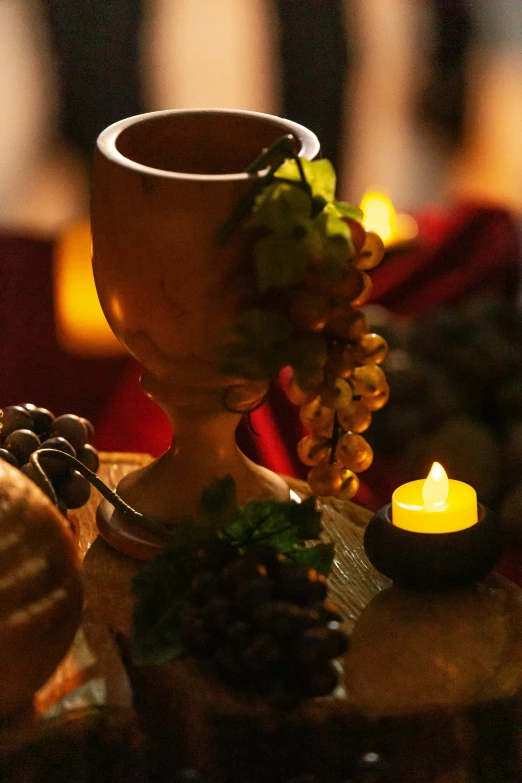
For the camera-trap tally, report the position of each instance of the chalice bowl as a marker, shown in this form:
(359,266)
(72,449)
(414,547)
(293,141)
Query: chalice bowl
(164,184)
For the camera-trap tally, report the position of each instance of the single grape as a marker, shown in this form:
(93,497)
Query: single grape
(53,465)
(74,490)
(282,619)
(215,554)
(350,485)
(254,591)
(312,648)
(197,638)
(357,232)
(321,681)
(348,323)
(71,428)
(298,396)
(301,585)
(351,286)
(325,479)
(309,310)
(262,656)
(371,253)
(355,417)
(336,643)
(336,395)
(327,611)
(31,472)
(91,433)
(365,293)
(89,457)
(6,456)
(353,452)
(22,443)
(379,400)
(372,349)
(318,417)
(264,556)
(313,449)
(203,587)
(15,418)
(42,419)
(239,635)
(368,380)
(341,361)
(218,614)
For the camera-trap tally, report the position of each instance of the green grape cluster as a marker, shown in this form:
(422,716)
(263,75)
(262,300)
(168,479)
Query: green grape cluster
(311,257)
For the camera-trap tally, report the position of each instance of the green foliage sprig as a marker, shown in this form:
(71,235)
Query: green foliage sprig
(298,229)
(159,588)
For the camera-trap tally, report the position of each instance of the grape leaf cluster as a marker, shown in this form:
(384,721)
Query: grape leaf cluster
(310,257)
(27,428)
(245,595)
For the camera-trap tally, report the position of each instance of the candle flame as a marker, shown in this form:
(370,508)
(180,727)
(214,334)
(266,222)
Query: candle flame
(379,215)
(435,489)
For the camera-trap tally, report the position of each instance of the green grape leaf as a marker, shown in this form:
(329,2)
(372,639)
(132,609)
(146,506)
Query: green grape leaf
(328,243)
(306,517)
(281,525)
(280,207)
(320,175)
(264,522)
(348,210)
(218,502)
(260,348)
(280,261)
(158,588)
(319,557)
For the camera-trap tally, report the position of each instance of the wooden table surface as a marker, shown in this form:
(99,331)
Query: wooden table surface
(449,663)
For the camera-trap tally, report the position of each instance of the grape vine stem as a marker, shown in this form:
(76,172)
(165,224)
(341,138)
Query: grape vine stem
(109,494)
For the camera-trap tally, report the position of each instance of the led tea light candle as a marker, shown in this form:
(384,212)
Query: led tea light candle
(435,505)
(433,535)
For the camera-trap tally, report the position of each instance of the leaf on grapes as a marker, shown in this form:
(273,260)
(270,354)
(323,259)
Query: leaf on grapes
(307,357)
(348,210)
(320,175)
(261,346)
(281,525)
(280,261)
(280,207)
(218,502)
(158,588)
(319,557)
(306,517)
(264,522)
(157,643)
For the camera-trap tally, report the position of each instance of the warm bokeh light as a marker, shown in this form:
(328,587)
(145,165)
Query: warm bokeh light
(380,216)
(80,323)
(435,489)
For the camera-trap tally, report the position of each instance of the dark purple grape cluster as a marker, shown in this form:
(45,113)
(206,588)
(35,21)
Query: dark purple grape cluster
(27,428)
(262,624)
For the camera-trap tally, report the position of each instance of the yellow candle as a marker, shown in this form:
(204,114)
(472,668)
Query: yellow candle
(434,505)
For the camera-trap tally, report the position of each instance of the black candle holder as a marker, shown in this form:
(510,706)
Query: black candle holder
(433,561)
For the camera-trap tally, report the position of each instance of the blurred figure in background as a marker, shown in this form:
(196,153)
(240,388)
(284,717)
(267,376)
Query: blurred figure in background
(353,72)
